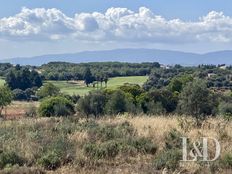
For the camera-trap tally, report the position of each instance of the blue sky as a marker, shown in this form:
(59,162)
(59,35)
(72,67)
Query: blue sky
(36,29)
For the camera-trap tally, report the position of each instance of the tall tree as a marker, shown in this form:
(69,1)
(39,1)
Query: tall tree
(197,100)
(88,76)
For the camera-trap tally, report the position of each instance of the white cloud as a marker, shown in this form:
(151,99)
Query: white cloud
(116,24)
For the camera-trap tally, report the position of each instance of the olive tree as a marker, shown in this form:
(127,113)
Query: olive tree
(5,97)
(197,100)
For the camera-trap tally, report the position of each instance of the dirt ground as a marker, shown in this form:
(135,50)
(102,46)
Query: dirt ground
(18,109)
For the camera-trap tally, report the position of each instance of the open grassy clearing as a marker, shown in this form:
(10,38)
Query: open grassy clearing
(78,87)
(2,81)
(124,144)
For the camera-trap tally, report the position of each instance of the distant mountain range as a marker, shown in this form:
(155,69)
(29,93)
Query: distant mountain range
(131,55)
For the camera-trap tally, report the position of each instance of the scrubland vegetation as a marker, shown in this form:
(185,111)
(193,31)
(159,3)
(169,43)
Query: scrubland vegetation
(124,144)
(122,125)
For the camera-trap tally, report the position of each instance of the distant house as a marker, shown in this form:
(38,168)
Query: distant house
(165,66)
(222,66)
(211,75)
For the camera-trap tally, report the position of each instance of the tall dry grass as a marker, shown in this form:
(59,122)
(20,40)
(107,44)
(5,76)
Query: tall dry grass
(30,136)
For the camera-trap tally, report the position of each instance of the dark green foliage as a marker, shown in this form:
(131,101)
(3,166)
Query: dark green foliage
(92,104)
(165,97)
(10,158)
(101,71)
(118,103)
(168,159)
(197,100)
(225,109)
(19,95)
(23,78)
(6,97)
(87,76)
(155,108)
(56,106)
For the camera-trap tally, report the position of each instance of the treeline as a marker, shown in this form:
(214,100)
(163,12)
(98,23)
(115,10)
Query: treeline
(215,76)
(71,71)
(193,98)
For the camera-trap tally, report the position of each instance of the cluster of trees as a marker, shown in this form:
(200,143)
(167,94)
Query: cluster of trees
(23,78)
(214,76)
(177,89)
(24,82)
(71,71)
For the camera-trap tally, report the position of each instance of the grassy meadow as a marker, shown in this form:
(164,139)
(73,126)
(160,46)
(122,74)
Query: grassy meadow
(78,87)
(123,144)
(2,81)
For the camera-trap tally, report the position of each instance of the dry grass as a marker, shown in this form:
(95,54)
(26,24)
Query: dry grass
(155,128)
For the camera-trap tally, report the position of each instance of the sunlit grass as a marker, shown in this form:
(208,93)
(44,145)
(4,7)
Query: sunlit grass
(78,87)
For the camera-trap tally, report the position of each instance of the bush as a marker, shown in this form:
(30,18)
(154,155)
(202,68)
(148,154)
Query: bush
(110,132)
(142,145)
(197,100)
(92,104)
(19,94)
(48,90)
(119,103)
(50,160)
(225,109)
(106,150)
(173,140)
(155,108)
(56,106)
(168,159)
(6,97)
(116,139)
(10,159)
(226,161)
(55,154)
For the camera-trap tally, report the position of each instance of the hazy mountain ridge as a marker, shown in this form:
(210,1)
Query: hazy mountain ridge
(130,55)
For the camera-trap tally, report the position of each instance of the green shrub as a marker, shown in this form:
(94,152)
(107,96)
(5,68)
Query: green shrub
(48,90)
(10,159)
(106,150)
(116,139)
(117,104)
(56,153)
(173,139)
(92,104)
(110,132)
(225,109)
(226,161)
(51,160)
(142,145)
(56,106)
(168,159)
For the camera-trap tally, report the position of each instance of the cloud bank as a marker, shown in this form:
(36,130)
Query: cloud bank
(117,25)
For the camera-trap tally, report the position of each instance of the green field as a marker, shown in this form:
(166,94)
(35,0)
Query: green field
(78,87)
(2,81)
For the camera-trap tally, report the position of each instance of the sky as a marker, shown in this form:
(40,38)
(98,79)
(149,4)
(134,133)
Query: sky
(38,27)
